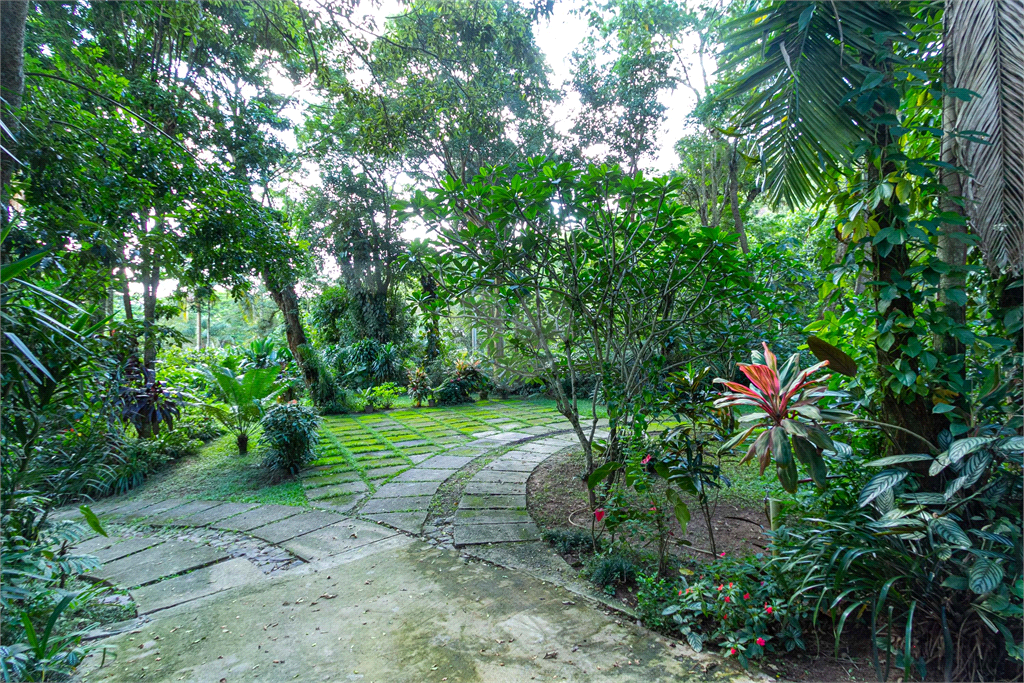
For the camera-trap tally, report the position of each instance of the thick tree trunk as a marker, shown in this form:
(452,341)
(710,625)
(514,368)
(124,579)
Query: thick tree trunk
(151,282)
(734,200)
(905,409)
(13,14)
(288,302)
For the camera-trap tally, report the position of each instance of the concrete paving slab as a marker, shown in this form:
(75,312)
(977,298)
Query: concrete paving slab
(417,458)
(495,501)
(167,559)
(536,430)
(424,488)
(467,452)
(198,584)
(506,489)
(418,474)
(126,547)
(375,505)
(336,538)
(216,514)
(501,476)
(448,462)
(411,522)
(343,505)
(474,534)
(157,508)
(336,489)
(512,465)
(515,516)
(171,516)
(385,472)
(296,526)
(265,514)
(410,442)
(547,449)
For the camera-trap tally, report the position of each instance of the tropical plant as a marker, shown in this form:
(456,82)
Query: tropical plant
(938,575)
(387,364)
(245,398)
(787,411)
(467,371)
(263,353)
(418,385)
(290,435)
(385,394)
(145,404)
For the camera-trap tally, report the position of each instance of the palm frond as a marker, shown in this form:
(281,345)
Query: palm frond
(985,41)
(798,60)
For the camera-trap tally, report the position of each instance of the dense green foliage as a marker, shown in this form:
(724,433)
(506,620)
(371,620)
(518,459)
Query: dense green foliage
(290,435)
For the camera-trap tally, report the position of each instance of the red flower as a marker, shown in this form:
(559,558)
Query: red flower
(646,460)
(681,591)
(720,586)
(768,608)
(732,650)
(730,584)
(727,599)
(760,641)
(721,554)
(599,514)
(746,596)
(654,509)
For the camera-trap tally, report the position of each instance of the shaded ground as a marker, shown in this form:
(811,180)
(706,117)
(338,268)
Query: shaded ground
(396,610)
(555,492)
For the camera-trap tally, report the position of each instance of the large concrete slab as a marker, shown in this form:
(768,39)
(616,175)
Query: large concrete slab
(473,534)
(216,514)
(406,521)
(335,539)
(167,559)
(127,547)
(198,584)
(512,465)
(263,515)
(423,474)
(375,505)
(426,488)
(171,516)
(448,462)
(498,501)
(296,526)
(501,476)
(157,508)
(336,490)
(511,516)
(483,487)
(122,508)
(544,448)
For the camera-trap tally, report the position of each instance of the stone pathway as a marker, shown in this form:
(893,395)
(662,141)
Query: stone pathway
(231,591)
(493,506)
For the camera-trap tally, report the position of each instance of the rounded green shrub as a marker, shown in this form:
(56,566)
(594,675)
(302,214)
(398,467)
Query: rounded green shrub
(290,435)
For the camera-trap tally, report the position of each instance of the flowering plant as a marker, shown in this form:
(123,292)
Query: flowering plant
(745,617)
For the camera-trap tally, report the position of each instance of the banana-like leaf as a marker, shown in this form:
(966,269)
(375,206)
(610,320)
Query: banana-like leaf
(984,575)
(878,484)
(899,459)
(837,359)
(950,531)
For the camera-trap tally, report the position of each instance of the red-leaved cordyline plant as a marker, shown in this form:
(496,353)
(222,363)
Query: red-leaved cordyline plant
(783,396)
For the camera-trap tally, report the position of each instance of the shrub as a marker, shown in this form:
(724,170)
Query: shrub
(290,435)
(570,540)
(198,425)
(737,606)
(452,391)
(613,569)
(176,443)
(384,395)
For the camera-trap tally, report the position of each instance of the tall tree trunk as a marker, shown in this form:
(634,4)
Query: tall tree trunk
(734,200)
(952,250)
(914,414)
(199,325)
(286,299)
(12,82)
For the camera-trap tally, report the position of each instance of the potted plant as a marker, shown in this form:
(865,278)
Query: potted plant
(370,399)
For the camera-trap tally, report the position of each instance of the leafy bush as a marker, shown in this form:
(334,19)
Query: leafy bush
(937,575)
(246,396)
(385,394)
(452,391)
(734,605)
(198,425)
(290,435)
(327,394)
(613,569)
(570,540)
(139,458)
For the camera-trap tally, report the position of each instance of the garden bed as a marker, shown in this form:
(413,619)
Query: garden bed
(555,493)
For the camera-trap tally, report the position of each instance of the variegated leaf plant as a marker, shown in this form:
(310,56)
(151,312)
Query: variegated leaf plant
(789,416)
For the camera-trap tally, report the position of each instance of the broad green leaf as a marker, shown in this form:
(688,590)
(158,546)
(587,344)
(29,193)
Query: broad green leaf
(967,446)
(92,520)
(881,482)
(984,575)
(897,459)
(949,530)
